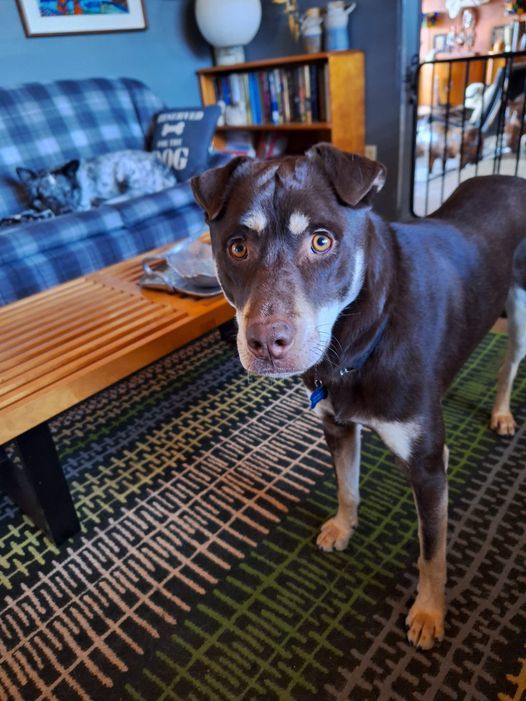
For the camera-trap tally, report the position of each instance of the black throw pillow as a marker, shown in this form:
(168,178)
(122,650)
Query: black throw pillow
(182,138)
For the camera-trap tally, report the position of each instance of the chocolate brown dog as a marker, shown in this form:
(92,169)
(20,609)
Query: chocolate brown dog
(377,318)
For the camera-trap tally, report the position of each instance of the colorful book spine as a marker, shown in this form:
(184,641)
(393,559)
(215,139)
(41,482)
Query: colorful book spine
(246,98)
(265,96)
(295,94)
(301,94)
(255,98)
(274,107)
(308,103)
(315,107)
(285,96)
(279,94)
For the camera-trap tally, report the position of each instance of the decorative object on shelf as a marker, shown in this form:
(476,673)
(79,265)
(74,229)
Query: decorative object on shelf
(311,30)
(454,7)
(55,17)
(228,25)
(440,43)
(463,36)
(292,11)
(429,19)
(516,7)
(469,24)
(496,42)
(336,25)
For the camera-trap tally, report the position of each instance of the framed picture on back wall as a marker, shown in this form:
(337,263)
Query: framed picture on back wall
(55,17)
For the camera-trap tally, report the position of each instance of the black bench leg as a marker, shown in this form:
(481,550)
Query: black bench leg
(33,478)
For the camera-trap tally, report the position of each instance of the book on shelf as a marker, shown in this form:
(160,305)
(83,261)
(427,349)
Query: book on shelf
(287,95)
(271,145)
(239,143)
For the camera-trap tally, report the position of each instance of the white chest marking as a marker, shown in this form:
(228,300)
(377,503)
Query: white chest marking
(399,436)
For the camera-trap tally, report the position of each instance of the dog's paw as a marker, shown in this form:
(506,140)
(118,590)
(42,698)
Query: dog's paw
(334,535)
(425,626)
(503,423)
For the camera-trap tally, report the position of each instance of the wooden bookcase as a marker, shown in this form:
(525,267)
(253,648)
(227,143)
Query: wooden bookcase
(343,72)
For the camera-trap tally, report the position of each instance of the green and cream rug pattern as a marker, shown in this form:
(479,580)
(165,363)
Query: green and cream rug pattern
(196,575)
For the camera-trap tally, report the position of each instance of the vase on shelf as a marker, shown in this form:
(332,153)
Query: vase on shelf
(228,25)
(311,31)
(336,25)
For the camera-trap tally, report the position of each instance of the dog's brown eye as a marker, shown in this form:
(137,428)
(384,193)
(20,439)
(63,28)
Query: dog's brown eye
(238,249)
(321,242)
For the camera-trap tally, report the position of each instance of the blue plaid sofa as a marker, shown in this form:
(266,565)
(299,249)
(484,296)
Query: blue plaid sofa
(44,125)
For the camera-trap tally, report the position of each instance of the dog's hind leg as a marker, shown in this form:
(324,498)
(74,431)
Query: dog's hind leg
(502,420)
(344,445)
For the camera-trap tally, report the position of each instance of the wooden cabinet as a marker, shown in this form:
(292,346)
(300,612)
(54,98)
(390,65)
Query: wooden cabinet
(340,91)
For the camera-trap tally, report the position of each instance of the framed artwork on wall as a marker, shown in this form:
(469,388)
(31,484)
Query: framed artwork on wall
(55,17)
(440,42)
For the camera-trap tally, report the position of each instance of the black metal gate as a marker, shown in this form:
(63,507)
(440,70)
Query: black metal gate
(469,117)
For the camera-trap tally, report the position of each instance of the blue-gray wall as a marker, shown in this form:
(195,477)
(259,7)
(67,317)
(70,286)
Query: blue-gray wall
(375,28)
(165,56)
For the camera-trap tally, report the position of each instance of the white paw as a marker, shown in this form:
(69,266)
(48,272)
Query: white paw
(425,626)
(503,423)
(334,535)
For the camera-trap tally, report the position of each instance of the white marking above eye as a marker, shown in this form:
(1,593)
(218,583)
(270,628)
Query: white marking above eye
(298,223)
(255,220)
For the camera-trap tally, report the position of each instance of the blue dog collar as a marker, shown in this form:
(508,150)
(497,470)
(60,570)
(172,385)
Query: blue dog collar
(320,391)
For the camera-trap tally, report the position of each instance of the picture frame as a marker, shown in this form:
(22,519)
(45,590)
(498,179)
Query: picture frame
(42,18)
(497,34)
(440,42)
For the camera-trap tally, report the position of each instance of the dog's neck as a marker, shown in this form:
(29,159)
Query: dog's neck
(359,329)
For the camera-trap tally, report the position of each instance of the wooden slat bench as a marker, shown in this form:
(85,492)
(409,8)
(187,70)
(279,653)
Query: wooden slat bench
(64,345)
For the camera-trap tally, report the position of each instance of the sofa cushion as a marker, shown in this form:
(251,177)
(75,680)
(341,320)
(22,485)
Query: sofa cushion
(25,240)
(45,125)
(182,138)
(148,207)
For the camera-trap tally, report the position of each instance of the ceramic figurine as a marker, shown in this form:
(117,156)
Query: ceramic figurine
(336,25)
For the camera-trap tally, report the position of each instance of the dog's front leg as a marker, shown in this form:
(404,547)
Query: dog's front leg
(428,478)
(344,445)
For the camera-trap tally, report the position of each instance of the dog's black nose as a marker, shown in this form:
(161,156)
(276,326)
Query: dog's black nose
(269,339)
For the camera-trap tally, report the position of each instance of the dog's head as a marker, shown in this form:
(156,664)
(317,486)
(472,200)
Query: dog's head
(56,189)
(289,241)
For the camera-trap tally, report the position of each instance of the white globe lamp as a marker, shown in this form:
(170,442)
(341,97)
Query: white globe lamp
(228,25)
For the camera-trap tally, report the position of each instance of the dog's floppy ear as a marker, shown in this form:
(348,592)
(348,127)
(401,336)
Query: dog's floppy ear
(210,188)
(26,175)
(70,168)
(353,177)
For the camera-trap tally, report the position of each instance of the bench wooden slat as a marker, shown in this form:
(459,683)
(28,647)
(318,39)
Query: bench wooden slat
(69,342)
(97,307)
(41,405)
(79,335)
(41,300)
(39,328)
(64,364)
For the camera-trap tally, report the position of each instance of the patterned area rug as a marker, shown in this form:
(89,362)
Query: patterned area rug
(196,575)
